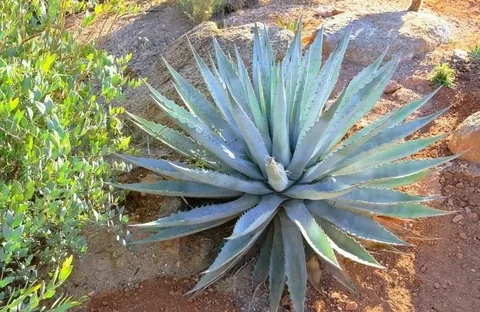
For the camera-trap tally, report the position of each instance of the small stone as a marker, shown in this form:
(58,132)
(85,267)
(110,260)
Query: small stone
(460,55)
(468,211)
(436,285)
(463,236)
(424,268)
(105,303)
(178,264)
(473,270)
(459,185)
(391,87)
(320,306)
(459,255)
(172,293)
(420,89)
(351,306)
(474,217)
(457,218)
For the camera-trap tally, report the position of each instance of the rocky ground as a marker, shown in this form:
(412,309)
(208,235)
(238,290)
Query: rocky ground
(440,273)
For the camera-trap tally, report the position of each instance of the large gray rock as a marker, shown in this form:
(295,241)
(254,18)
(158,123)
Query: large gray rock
(180,57)
(466,138)
(414,33)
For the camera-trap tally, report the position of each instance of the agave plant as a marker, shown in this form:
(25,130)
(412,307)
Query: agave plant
(298,180)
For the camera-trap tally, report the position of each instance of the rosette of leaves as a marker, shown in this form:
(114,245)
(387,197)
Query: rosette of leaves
(275,145)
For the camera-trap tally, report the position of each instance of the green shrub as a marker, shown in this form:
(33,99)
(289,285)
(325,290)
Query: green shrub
(55,125)
(200,10)
(274,147)
(475,53)
(443,75)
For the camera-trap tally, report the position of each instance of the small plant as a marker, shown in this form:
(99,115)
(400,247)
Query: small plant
(200,10)
(272,146)
(443,75)
(292,24)
(475,53)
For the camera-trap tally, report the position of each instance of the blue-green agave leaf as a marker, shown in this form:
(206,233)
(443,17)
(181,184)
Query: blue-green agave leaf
(259,118)
(382,196)
(355,224)
(323,86)
(173,139)
(204,109)
(295,267)
(262,266)
(258,216)
(405,211)
(218,93)
(311,230)
(347,246)
(320,190)
(234,248)
(385,154)
(177,232)
(222,180)
(179,188)
(280,127)
(277,266)
(394,170)
(252,137)
(204,214)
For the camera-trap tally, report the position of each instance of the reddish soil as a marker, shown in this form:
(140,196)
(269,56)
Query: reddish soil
(162,294)
(440,273)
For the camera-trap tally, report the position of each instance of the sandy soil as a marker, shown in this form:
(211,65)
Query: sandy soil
(440,273)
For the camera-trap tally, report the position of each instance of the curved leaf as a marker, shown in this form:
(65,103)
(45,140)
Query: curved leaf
(311,231)
(204,214)
(179,188)
(355,224)
(347,246)
(277,266)
(257,217)
(295,265)
(319,190)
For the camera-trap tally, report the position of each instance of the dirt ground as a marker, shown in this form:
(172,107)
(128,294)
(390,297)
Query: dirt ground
(440,273)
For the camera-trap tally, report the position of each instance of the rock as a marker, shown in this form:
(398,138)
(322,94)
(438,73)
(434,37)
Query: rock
(466,138)
(457,218)
(351,306)
(391,87)
(474,217)
(414,33)
(423,269)
(460,56)
(436,285)
(463,236)
(459,255)
(180,57)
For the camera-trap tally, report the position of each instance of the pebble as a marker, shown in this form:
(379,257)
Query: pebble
(420,89)
(424,268)
(474,216)
(351,306)
(459,255)
(105,303)
(457,218)
(391,87)
(436,285)
(463,236)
